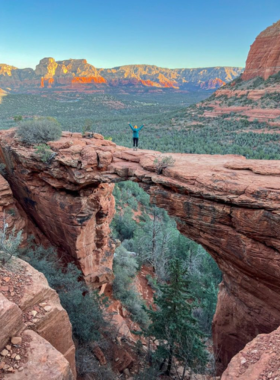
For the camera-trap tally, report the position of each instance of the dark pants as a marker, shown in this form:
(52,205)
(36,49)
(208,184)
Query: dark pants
(135,141)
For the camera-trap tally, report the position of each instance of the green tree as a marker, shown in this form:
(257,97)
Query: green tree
(87,126)
(173,325)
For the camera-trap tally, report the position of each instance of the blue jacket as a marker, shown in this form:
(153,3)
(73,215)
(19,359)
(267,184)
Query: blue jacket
(136,131)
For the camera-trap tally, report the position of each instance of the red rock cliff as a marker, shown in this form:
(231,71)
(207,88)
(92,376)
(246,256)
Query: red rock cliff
(264,56)
(27,302)
(228,204)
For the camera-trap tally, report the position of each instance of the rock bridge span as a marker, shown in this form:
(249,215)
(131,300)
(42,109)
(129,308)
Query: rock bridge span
(229,205)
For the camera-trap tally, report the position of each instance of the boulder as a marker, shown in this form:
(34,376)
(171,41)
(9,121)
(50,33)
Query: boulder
(11,321)
(44,361)
(34,304)
(258,360)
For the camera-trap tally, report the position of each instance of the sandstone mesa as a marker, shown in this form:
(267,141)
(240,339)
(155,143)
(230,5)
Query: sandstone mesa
(79,75)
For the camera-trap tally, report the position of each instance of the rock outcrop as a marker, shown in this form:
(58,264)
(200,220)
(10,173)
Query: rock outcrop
(11,213)
(258,360)
(27,302)
(228,204)
(212,84)
(46,68)
(264,56)
(43,361)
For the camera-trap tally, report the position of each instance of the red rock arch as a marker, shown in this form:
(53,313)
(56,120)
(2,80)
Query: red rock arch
(229,205)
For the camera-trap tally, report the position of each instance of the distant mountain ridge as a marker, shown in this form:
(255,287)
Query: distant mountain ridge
(79,74)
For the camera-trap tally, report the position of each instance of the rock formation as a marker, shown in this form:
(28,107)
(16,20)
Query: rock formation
(258,360)
(212,84)
(6,70)
(252,96)
(72,73)
(27,302)
(10,212)
(228,204)
(43,361)
(264,56)
(46,68)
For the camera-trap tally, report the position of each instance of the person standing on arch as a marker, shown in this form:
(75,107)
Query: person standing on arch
(135,131)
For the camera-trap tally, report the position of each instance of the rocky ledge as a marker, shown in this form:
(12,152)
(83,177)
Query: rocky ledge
(258,360)
(227,204)
(36,334)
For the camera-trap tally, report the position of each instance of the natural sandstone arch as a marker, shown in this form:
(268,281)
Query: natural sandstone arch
(227,204)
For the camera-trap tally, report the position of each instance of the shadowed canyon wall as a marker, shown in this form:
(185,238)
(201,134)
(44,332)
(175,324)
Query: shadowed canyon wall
(228,204)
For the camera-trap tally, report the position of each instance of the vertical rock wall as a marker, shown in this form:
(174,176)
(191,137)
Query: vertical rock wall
(264,56)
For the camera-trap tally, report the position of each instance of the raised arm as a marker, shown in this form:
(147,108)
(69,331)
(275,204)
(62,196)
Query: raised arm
(142,126)
(131,126)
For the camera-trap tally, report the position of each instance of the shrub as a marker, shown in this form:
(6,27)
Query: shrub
(125,267)
(45,152)
(39,131)
(163,162)
(11,211)
(2,169)
(87,126)
(18,118)
(89,368)
(84,308)
(9,244)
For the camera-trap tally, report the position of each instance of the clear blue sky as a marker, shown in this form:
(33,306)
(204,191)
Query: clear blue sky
(166,33)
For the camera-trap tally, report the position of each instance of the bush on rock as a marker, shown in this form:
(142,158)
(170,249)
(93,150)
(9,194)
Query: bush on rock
(38,131)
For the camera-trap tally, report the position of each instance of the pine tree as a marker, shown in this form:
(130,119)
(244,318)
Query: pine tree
(173,325)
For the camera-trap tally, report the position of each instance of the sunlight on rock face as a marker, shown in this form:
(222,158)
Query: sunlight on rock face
(88,80)
(2,94)
(49,81)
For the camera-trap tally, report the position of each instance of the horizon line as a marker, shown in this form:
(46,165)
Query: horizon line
(133,64)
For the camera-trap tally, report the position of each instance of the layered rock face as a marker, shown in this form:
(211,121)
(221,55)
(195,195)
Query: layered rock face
(264,56)
(228,204)
(11,213)
(258,360)
(34,326)
(212,84)
(73,73)
(73,216)
(23,291)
